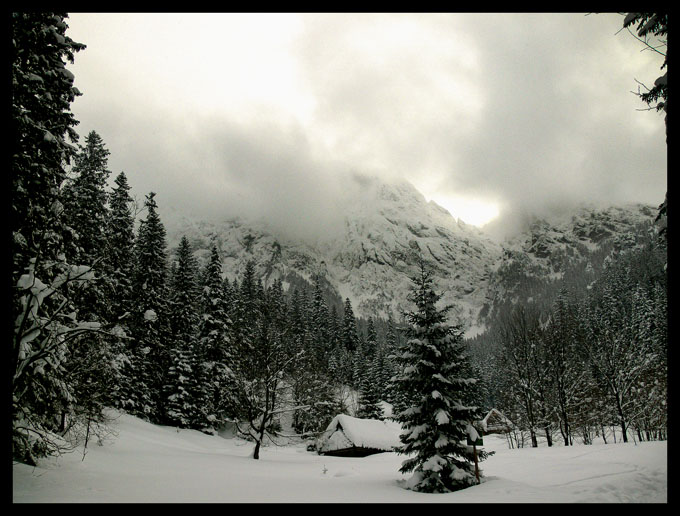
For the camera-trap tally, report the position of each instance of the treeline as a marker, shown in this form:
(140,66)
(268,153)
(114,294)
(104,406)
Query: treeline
(592,360)
(165,338)
(104,317)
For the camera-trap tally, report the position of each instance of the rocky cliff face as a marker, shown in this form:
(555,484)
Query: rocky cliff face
(571,243)
(370,261)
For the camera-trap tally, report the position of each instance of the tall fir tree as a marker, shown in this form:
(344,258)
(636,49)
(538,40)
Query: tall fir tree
(120,229)
(320,391)
(215,346)
(319,328)
(85,200)
(246,311)
(350,341)
(93,365)
(41,127)
(432,364)
(150,318)
(300,371)
(181,383)
(368,399)
(335,347)
(121,260)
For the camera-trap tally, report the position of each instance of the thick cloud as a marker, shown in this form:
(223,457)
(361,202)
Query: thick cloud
(272,115)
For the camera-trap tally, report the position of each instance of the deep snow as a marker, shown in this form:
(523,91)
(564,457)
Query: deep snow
(147,463)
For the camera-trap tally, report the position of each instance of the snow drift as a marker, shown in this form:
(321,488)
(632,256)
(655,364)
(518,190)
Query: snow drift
(147,463)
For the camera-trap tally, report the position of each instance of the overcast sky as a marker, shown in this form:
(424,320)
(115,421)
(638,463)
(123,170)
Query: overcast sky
(273,114)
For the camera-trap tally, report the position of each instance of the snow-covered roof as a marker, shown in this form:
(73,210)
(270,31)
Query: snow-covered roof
(349,432)
(495,421)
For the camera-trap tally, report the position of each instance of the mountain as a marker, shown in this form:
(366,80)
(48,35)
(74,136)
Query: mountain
(563,250)
(370,260)
(373,255)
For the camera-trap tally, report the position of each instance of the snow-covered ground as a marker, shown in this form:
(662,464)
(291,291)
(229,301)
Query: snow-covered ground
(147,463)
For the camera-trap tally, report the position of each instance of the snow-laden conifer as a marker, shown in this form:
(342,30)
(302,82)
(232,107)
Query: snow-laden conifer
(432,368)
(215,346)
(181,385)
(149,319)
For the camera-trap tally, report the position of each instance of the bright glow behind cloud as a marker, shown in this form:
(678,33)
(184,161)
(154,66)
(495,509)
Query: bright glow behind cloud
(484,113)
(471,211)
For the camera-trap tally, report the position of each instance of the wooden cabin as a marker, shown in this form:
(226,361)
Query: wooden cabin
(348,436)
(496,423)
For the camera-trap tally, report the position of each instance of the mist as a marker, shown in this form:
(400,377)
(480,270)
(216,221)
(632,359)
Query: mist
(273,118)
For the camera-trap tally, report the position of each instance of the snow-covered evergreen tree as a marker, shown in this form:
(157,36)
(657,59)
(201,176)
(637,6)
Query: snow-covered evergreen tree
(41,126)
(343,356)
(335,347)
(120,265)
(85,199)
(321,397)
(120,228)
(318,326)
(181,385)
(215,346)
(150,318)
(92,365)
(368,400)
(432,364)
(300,371)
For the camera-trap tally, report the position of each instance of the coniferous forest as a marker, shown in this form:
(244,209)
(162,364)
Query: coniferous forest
(105,315)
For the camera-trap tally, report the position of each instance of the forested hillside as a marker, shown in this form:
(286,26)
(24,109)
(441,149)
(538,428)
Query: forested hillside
(232,324)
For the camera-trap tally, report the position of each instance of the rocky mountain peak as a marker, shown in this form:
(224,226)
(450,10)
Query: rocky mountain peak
(386,229)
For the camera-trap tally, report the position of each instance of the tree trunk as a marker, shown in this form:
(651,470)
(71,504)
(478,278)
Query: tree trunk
(564,429)
(256,451)
(619,409)
(534,442)
(624,430)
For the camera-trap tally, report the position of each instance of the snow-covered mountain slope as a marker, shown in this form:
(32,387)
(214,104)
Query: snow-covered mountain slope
(371,260)
(553,241)
(550,247)
(384,230)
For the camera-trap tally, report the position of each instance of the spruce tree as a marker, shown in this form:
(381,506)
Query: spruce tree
(320,388)
(348,343)
(368,400)
(149,320)
(246,314)
(394,396)
(435,428)
(335,348)
(215,346)
(41,126)
(318,318)
(349,328)
(85,199)
(300,371)
(121,261)
(120,228)
(93,365)
(182,379)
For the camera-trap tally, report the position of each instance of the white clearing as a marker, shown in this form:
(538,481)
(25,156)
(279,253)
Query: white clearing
(147,463)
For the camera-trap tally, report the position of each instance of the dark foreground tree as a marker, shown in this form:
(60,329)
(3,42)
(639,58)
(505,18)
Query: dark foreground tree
(42,281)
